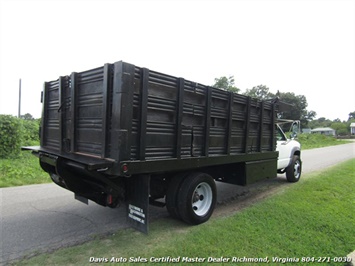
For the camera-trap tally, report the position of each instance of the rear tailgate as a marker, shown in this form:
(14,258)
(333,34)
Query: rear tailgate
(75,113)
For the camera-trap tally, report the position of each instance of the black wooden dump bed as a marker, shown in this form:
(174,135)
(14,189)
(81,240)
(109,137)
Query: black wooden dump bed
(127,120)
(125,134)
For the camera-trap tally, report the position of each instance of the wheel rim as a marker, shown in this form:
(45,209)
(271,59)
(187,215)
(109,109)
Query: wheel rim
(297,169)
(202,199)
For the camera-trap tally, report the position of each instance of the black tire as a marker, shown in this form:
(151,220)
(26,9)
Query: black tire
(293,171)
(197,198)
(172,194)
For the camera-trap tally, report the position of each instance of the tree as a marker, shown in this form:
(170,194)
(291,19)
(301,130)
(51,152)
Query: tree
(27,116)
(323,120)
(310,115)
(320,122)
(298,110)
(351,115)
(226,84)
(341,128)
(260,92)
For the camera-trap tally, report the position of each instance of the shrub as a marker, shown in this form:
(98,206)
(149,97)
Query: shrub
(10,136)
(15,132)
(30,132)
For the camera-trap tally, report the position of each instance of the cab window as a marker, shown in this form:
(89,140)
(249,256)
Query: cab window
(280,134)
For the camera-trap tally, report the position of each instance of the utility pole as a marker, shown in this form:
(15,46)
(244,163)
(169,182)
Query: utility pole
(19,99)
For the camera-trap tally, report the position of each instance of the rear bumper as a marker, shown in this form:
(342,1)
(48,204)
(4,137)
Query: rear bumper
(83,175)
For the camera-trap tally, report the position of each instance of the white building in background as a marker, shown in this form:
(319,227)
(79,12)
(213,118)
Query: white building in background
(352,128)
(324,130)
(306,130)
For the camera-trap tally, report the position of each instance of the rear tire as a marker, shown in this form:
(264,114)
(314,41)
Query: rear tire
(293,171)
(172,195)
(197,198)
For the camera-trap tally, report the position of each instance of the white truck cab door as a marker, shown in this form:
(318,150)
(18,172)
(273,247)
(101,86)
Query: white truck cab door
(284,146)
(289,160)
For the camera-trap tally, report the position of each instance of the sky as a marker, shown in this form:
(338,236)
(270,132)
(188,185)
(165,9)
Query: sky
(301,46)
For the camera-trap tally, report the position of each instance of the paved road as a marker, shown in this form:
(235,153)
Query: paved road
(318,159)
(39,218)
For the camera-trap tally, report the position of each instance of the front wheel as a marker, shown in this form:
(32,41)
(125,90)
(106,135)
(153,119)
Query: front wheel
(293,171)
(197,198)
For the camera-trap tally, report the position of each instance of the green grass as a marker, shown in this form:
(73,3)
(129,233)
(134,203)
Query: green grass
(312,218)
(312,141)
(24,170)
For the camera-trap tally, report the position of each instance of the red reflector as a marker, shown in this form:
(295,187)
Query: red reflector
(109,199)
(125,168)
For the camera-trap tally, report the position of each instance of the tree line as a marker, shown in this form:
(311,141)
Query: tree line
(299,102)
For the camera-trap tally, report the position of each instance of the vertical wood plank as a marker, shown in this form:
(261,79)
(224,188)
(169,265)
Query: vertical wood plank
(44,113)
(208,120)
(61,109)
(261,126)
(229,129)
(247,125)
(143,112)
(179,114)
(73,78)
(105,109)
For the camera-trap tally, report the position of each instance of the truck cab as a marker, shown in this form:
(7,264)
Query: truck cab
(289,160)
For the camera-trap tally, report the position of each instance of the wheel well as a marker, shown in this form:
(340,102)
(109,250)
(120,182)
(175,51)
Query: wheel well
(297,153)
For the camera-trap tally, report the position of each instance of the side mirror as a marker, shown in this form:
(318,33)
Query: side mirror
(293,135)
(294,130)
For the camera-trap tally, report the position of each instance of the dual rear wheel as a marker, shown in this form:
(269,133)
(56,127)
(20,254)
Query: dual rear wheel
(191,197)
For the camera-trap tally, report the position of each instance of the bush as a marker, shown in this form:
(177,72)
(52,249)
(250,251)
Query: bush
(15,133)
(311,141)
(30,132)
(11,134)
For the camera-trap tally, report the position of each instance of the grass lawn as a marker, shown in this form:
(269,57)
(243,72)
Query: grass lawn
(311,220)
(24,170)
(312,141)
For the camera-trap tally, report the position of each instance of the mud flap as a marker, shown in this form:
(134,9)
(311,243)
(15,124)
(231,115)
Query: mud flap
(138,202)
